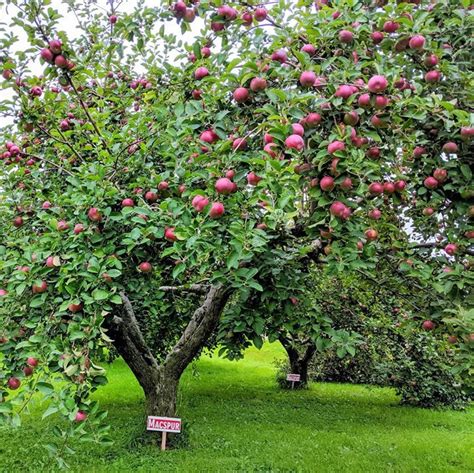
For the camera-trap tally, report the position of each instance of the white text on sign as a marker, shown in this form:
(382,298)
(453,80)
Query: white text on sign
(293,377)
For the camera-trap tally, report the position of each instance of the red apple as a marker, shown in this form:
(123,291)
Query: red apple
(371,234)
(151,196)
(307,78)
(376,188)
(377,84)
(258,84)
(279,56)
(78,228)
(440,174)
(312,119)
(432,76)
(17,222)
(241,95)
(373,152)
(74,308)
(377,37)
(239,144)
(217,210)
(431,60)
(13,383)
(200,73)
(338,209)
(94,215)
(327,183)
(128,202)
(295,142)
(309,49)
(346,36)
(428,325)
(430,182)
(297,129)
(145,267)
(62,225)
(344,91)
(224,186)
(346,184)
(417,42)
(336,146)
(47,55)
(390,26)
(253,179)
(451,249)
(351,118)
(375,214)
(364,100)
(169,234)
(450,148)
(80,416)
(260,13)
(199,202)
(40,288)
(209,136)
(56,46)
(61,62)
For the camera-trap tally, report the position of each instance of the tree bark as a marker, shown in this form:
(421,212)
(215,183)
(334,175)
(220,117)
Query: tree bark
(160,381)
(299,363)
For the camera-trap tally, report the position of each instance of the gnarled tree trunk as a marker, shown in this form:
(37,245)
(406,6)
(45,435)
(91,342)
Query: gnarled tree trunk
(299,362)
(160,381)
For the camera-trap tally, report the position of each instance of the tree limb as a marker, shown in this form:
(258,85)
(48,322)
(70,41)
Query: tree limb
(198,288)
(199,328)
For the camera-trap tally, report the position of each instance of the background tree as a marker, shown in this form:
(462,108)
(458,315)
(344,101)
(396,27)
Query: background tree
(141,192)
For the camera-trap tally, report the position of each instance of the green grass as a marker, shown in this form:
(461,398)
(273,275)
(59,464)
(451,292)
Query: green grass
(240,421)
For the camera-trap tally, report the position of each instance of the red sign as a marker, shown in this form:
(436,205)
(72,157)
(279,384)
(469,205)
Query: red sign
(293,377)
(164,424)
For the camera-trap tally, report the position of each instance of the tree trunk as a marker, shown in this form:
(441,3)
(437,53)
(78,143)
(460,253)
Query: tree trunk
(161,398)
(160,382)
(298,363)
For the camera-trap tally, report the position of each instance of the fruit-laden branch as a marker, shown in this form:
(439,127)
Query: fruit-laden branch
(45,160)
(198,288)
(200,327)
(468,250)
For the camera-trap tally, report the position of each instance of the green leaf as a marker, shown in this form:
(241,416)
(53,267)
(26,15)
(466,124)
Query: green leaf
(37,302)
(45,388)
(100,294)
(116,299)
(49,411)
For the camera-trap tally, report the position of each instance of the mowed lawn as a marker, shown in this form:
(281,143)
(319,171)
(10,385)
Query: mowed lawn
(240,420)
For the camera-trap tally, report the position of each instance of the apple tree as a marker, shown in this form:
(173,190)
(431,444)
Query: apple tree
(148,179)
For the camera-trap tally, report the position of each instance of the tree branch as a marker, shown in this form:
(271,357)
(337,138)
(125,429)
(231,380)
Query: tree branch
(198,288)
(199,328)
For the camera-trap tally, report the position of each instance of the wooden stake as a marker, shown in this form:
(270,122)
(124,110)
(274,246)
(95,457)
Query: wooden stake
(292,385)
(163,441)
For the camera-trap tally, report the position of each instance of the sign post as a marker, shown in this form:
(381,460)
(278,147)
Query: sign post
(293,377)
(164,424)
